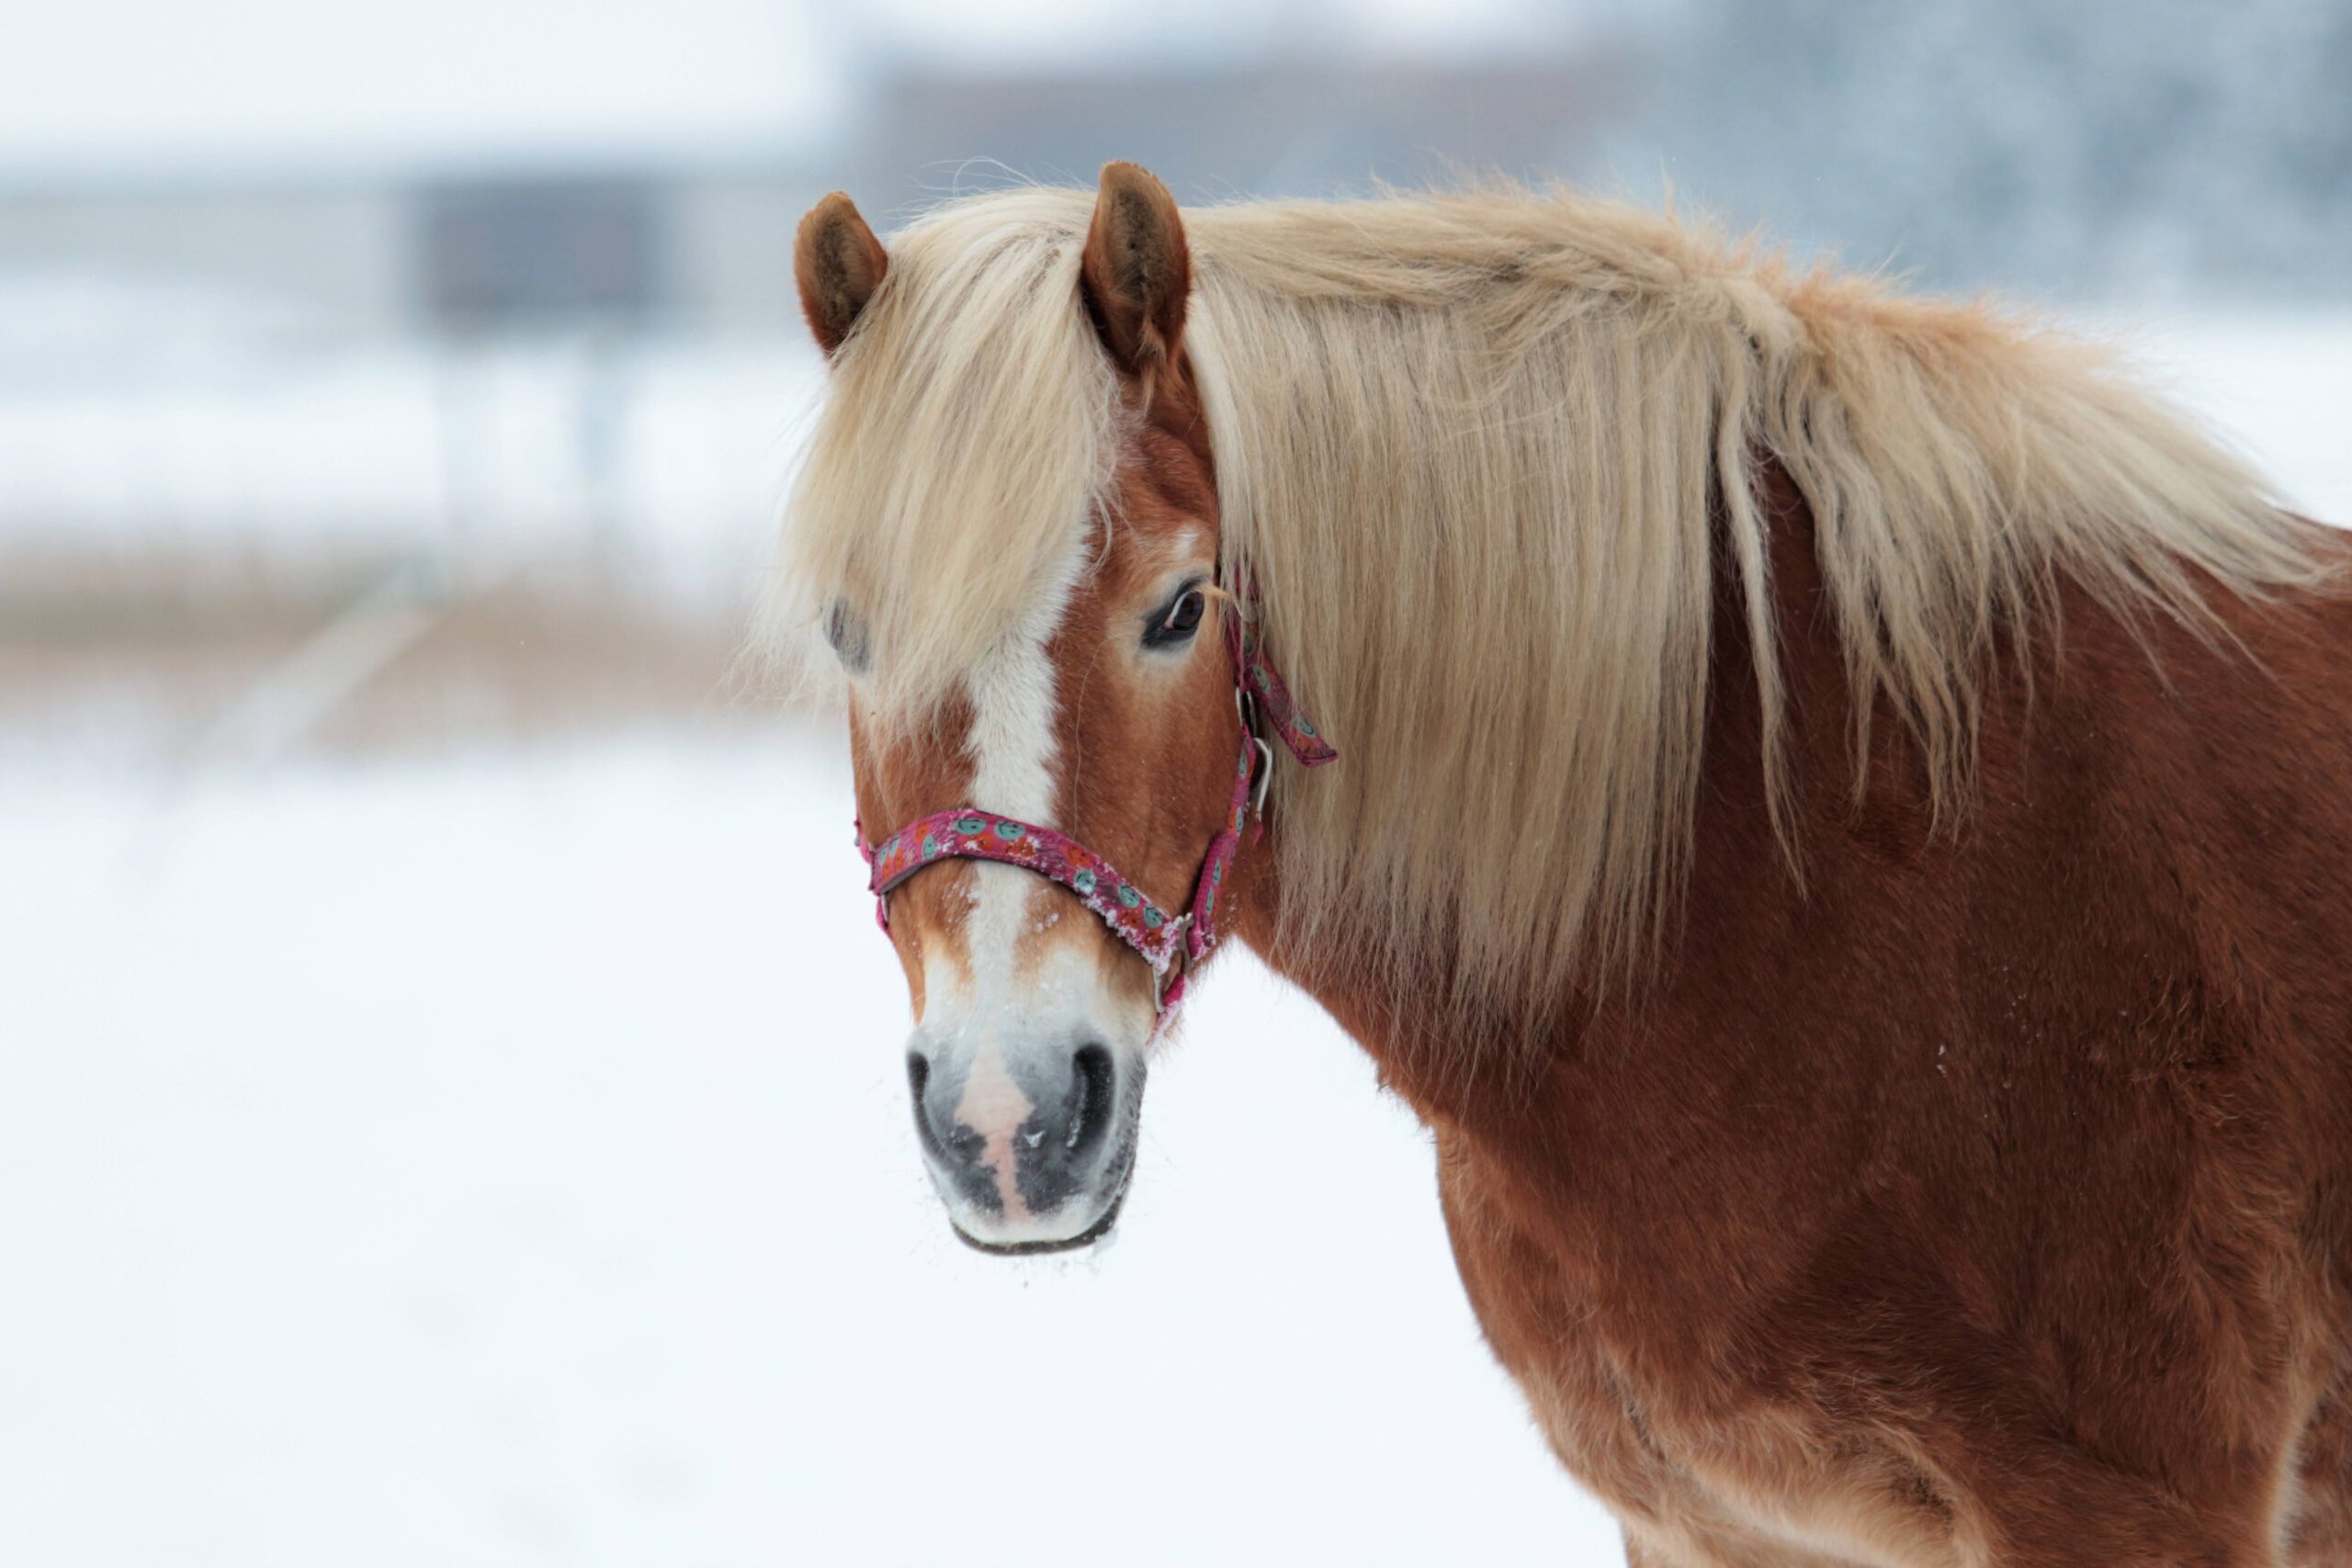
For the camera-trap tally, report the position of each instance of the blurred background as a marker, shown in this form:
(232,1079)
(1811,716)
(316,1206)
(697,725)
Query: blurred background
(449,1102)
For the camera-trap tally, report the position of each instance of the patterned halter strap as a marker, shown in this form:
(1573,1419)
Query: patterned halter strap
(1171,944)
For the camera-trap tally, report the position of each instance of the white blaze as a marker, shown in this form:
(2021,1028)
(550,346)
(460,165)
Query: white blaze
(1013,751)
(988,1007)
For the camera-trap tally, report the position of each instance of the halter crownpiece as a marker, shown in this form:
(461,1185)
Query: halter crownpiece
(1160,938)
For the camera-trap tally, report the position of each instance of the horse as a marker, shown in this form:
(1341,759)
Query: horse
(1834,807)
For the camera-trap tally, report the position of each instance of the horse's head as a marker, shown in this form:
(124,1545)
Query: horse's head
(1090,741)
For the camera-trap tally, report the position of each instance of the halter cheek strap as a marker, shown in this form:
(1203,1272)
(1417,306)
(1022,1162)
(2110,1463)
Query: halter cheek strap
(1170,944)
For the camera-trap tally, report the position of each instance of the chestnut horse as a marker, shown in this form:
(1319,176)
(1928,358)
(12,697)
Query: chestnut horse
(1842,825)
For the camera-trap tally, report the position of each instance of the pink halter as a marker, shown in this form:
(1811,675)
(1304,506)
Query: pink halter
(1160,938)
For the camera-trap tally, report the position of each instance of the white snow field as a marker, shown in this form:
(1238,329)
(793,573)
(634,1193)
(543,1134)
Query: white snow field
(505,1159)
(511,1163)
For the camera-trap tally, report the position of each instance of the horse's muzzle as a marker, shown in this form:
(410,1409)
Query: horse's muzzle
(1031,1149)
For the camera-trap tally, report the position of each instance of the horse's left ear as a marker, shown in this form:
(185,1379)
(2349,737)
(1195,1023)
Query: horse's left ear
(1137,269)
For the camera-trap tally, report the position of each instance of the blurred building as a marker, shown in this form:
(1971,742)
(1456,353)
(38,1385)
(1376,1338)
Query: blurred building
(703,248)
(702,243)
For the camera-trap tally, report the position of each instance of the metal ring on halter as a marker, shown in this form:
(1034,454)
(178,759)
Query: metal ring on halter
(1245,702)
(1176,965)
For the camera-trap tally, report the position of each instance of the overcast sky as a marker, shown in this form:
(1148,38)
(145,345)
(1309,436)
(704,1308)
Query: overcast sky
(129,86)
(165,82)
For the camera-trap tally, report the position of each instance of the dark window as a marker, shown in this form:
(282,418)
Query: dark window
(542,253)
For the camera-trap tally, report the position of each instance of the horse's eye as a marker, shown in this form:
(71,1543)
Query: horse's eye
(847,634)
(1181,620)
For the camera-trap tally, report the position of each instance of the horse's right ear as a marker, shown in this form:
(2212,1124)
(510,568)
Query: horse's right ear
(838,264)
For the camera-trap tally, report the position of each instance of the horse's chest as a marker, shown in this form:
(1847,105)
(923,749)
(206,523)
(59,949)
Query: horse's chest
(1701,1464)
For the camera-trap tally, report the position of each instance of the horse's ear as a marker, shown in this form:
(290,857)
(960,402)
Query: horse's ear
(1137,269)
(838,264)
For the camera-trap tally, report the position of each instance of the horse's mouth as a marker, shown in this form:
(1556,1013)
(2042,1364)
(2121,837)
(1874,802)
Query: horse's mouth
(1085,1238)
(1095,1232)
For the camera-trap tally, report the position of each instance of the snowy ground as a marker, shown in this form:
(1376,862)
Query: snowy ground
(510,1163)
(504,1160)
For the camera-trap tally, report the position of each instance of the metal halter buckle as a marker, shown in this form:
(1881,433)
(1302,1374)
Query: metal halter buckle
(1245,702)
(1177,962)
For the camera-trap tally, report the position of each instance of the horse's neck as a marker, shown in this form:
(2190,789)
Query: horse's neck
(2111,778)
(1463,1071)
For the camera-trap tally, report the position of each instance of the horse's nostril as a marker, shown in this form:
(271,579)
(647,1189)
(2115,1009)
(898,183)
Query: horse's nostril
(1093,1084)
(917,1079)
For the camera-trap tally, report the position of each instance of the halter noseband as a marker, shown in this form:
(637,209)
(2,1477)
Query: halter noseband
(1160,938)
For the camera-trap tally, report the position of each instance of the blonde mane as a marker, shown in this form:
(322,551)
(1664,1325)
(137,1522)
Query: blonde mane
(1467,448)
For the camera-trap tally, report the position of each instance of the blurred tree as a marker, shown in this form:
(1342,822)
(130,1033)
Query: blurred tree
(2133,147)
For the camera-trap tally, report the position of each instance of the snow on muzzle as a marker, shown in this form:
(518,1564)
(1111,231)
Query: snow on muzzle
(1029,1142)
